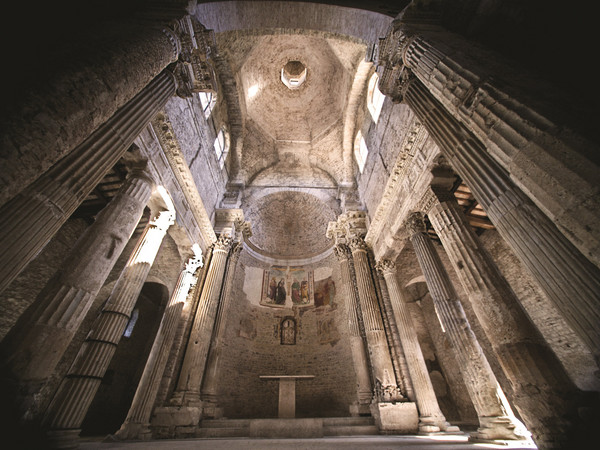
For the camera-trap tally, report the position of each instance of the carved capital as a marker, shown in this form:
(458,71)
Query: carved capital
(223,244)
(342,252)
(163,220)
(415,223)
(358,244)
(195,261)
(385,266)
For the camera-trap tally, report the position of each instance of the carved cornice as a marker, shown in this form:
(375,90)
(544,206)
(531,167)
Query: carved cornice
(170,145)
(415,223)
(412,142)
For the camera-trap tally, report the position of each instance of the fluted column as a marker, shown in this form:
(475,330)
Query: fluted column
(494,420)
(77,390)
(359,355)
(34,346)
(391,330)
(187,392)
(31,218)
(210,384)
(137,422)
(386,388)
(548,410)
(57,116)
(569,280)
(431,418)
(523,133)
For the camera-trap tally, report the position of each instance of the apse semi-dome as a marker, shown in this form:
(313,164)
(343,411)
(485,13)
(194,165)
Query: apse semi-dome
(290,225)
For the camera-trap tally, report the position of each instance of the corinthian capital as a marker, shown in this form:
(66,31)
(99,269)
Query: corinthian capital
(415,223)
(223,243)
(386,266)
(342,252)
(358,244)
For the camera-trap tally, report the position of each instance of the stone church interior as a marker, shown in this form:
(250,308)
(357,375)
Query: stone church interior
(300,219)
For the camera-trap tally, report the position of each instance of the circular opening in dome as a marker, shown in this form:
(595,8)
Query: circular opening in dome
(293,74)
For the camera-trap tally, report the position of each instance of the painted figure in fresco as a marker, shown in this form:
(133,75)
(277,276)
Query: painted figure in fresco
(280,300)
(296,291)
(272,289)
(304,291)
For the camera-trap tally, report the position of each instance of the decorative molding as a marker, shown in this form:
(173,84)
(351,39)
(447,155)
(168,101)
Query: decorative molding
(412,142)
(342,252)
(166,137)
(386,266)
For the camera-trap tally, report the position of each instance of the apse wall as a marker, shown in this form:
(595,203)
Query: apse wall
(253,340)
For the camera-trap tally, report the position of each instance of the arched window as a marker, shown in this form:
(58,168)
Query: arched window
(222,146)
(374,98)
(132,320)
(207,100)
(360,151)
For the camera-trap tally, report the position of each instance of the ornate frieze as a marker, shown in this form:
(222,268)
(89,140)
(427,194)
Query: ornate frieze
(166,137)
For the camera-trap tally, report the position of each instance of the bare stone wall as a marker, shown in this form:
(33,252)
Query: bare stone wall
(573,354)
(25,288)
(252,347)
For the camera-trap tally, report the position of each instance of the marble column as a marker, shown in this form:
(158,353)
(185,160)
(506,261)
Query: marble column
(56,117)
(568,279)
(386,387)
(77,390)
(31,218)
(553,164)
(549,409)
(189,384)
(431,418)
(494,420)
(364,390)
(210,385)
(137,422)
(36,344)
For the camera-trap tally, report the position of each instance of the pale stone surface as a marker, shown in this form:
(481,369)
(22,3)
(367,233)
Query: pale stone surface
(396,418)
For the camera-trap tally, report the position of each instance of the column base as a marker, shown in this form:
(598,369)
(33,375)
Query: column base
(360,409)
(396,418)
(133,431)
(436,425)
(211,410)
(176,421)
(498,428)
(63,438)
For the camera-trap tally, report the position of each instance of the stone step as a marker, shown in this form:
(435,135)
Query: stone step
(353,430)
(348,421)
(226,423)
(222,432)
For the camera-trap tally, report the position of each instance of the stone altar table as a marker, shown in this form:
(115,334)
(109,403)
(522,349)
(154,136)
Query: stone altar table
(287,393)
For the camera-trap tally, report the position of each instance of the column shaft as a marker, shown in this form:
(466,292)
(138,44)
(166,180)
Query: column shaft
(479,378)
(54,118)
(548,410)
(431,418)
(378,347)
(359,355)
(557,167)
(78,388)
(210,384)
(194,361)
(31,218)
(569,280)
(137,422)
(39,339)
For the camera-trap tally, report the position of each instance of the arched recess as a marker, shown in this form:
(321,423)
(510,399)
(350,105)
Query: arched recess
(113,399)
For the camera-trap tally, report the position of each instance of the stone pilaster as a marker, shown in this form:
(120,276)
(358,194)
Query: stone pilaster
(494,420)
(187,393)
(431,418)
(137,422)
(77,390)
(569,280)
(548,411)
(34,346)
(31,218)
(357,345)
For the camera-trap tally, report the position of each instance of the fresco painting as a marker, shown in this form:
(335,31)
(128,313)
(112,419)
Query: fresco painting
(285,286)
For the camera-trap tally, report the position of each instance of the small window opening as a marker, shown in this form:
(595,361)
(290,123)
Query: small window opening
(132,320)
(360,151)
(207,100)
(222,146)
(375,98)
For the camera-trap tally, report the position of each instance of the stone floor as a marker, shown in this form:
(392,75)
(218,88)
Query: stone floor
(458,442)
